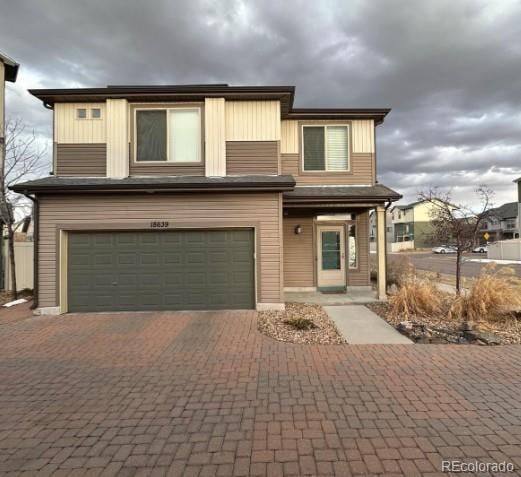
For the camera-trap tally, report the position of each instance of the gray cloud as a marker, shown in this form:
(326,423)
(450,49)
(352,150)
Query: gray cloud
(450,70)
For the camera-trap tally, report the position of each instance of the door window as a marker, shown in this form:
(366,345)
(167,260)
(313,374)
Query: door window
(331,250)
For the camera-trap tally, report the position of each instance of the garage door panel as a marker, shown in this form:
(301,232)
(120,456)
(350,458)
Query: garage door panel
(161,270)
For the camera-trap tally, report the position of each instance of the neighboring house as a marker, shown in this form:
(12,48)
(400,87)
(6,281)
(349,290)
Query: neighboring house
(389,228)
(413,223)
(203,197)
(501,223)
(8,72)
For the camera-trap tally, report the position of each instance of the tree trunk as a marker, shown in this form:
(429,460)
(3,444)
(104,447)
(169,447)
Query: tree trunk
(12,260)
(458,272)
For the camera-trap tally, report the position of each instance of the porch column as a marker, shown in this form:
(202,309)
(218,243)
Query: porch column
(381,252)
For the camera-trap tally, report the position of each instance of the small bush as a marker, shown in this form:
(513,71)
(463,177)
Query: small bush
(301,323)
(494,294)
(400,270)
(416,298)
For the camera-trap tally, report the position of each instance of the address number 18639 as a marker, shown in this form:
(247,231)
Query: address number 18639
(158,224)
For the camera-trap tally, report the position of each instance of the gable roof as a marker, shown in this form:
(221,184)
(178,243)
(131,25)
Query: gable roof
(11,68)
(198,92)
(505,211)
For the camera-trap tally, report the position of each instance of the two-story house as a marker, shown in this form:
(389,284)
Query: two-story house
(203,197)
(413,223)
(501,223)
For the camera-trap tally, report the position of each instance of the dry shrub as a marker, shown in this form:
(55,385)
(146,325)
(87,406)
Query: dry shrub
(494,294)
(400,271)
(416,298)
(301,323)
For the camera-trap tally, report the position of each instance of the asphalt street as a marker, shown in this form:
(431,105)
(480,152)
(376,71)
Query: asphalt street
(446,263)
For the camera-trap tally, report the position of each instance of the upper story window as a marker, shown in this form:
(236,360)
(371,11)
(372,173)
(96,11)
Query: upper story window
(168,135)
(84,113)
(325,148)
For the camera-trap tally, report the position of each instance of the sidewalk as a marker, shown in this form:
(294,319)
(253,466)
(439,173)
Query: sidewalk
(359,325)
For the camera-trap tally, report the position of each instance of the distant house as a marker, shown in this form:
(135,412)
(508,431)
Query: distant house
(389,228)
(501,224)
(413,223)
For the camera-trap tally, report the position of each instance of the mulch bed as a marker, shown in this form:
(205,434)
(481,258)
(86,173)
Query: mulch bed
(440,329)
(272,323)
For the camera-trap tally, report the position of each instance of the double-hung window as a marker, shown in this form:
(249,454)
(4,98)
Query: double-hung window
(168,135)
(325,148)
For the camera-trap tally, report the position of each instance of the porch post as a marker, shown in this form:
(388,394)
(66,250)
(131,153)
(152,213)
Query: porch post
(381,252)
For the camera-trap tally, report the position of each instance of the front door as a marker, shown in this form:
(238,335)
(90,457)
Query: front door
(331,257)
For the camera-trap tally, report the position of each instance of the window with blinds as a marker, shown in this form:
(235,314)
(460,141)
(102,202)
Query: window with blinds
(325,148)
(168,135)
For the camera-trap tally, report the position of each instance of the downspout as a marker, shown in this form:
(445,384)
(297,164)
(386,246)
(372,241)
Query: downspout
(36,236)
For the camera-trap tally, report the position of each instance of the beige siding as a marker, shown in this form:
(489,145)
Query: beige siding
(252,157)
(298,252)
(253,120)
(167,169)
(112,211)
(88,160)
(360,276)
(289,139)
(117,138)
(362,171)
(69,130)
(214,133)
(362,135)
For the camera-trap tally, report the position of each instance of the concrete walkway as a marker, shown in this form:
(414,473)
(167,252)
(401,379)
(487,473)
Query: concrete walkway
(359,325)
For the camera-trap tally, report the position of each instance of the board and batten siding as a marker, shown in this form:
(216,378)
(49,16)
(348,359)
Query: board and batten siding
(117,138)
(68,129)
(87,160)
(214,136)
(106,212)
(298,252)
(252,120)
(252,157)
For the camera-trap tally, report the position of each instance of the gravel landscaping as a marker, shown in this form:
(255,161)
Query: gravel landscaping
(281,325)
(441,329)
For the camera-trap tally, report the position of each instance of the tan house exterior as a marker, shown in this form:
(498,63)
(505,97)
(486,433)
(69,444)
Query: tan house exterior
(203,197)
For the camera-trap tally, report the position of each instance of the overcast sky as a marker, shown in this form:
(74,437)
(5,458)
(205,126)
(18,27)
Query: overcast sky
(450,70)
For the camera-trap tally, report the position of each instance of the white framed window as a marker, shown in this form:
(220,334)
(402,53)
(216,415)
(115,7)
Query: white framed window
(95,113)
(352,249)
(81,113)
(325,148)
(170,135)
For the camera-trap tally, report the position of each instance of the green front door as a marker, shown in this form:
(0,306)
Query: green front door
(161,270)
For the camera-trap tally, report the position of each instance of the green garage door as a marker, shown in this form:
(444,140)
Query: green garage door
(161,270)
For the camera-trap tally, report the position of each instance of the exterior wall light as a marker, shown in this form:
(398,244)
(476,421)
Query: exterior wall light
(298,229)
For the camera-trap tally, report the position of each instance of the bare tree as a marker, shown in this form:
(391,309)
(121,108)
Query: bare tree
(23,161)
(457,224)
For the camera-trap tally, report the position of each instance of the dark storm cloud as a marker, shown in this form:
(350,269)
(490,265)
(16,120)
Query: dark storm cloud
(451,71)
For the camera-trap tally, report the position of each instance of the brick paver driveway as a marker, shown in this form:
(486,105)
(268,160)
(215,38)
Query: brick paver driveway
(206,394)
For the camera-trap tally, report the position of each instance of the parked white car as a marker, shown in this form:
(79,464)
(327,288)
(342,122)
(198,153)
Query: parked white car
(480,249)
(444,249)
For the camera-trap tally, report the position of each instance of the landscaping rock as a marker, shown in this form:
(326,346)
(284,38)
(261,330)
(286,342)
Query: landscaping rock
(280,325)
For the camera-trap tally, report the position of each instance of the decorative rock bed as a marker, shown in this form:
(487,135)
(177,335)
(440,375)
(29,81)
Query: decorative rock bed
(440,329)
(284,325)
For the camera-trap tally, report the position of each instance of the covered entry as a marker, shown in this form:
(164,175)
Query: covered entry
(160,270)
